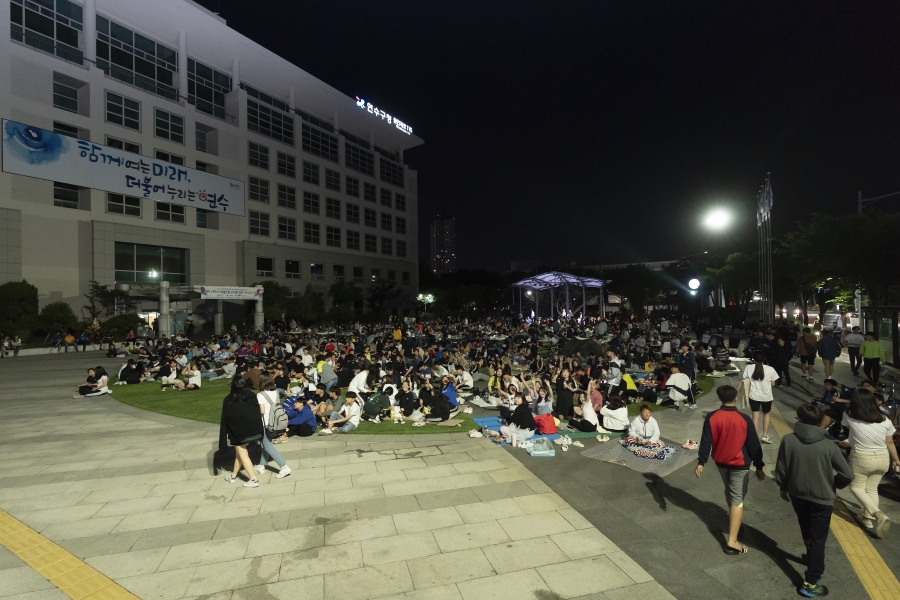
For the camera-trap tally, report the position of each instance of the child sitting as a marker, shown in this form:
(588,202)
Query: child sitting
(644,427)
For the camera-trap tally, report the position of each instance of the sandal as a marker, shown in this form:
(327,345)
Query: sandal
(733,552)
(577,443)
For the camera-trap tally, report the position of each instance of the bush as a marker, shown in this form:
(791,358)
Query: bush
(119,325)
(56,316)
(18,307)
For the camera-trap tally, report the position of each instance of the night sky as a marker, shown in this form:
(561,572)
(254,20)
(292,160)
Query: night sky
(599,132)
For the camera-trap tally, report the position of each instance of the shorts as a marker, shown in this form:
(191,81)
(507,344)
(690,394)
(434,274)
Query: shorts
(807,359)
(757,406)
(736,482)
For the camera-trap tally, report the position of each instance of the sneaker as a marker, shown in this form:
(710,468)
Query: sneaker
(230,478)
(658,401)
(692,406)
(765,439)
(284,472)
(377,419)
(882,524)
(260,469)
(252,483)
(812,590)
(326,431)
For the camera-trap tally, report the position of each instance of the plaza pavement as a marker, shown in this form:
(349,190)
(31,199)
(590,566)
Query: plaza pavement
(131,493)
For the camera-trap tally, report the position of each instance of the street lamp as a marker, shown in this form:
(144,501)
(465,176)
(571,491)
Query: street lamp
(425,299)
(717,219)
(694,284)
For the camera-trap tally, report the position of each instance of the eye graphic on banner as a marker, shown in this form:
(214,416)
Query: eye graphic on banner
(32,144)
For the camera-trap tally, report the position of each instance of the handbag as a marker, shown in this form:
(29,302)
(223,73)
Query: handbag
(545,424)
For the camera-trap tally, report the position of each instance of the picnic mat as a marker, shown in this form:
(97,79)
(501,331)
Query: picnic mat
(493,423)
(613,452)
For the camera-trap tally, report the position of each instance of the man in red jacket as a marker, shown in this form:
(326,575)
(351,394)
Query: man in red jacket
(731,437)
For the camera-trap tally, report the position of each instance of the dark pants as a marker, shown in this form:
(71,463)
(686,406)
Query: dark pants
(302,430)
(784,372)
(814,519)
(872,368)
(582,425)
(855,359)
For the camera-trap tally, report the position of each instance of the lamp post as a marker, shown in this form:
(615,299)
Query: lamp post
(425,299)
(717,220)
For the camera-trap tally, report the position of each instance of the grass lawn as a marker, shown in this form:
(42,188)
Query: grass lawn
(206,405)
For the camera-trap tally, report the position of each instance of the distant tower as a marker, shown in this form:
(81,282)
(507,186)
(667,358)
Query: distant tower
(443,245)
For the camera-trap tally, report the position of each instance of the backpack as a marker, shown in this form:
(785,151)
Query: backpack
(278,420)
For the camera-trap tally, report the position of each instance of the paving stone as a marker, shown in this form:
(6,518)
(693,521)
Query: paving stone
(170,585)
(8,560)
(497,491)
(519,528)
(450,567)
(405,463)
(464,481)
(128,564)
(218,497)
(444,498)
(361,529)
(347,469)
(22,580)
(159,518)
(463,537)
(286,540)
(321,560)
(631,568)
(405,488)
(444,592)
(41,518)
(434,472)
(368,582)
(204,553)
(479,466)
(230,510)
(521,584)
(575,518)
(307,486)
(392,506)
(100,545)
(399,547)
(425,520)
(63,531)
(585,576)
(584,543)
(378,479)
(175,535)
(489,511)
(236,574)
(293,502)
(130,507)
(321,515)
(307,588)
(650,590)
(523,554)
(447,459)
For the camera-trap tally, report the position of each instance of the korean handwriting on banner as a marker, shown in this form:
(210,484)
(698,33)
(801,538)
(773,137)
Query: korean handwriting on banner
(153,177)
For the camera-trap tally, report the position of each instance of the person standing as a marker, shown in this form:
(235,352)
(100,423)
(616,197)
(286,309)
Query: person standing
(730,438)
(781,360)
(829,348)
(806,346)
(853,341)
(872,353)
(762,379)
(804,471)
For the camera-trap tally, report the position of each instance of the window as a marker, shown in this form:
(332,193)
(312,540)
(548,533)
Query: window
(405,277)
(259,223)
(386,198)
(352,213)
(332,208)
(292,269)
(207,167)
(265,266)
(65,195)
(319,143)
(401,248)
(401,225)
(270,123)
(387,223)
(150,264)
(169,126)
(136,60)
(310,232)
(310,172)
(169,157)
(371,218)
(352,240)
(258,189)
(202,218)
(287,197)
(359,160)
(123,111)
(201,166)
(371,243)
(376,274)
(207,88)
(387,245)
(259,156)
(287,229)
(123,145)
(400,202)
(66,130)
(368,192)
(317,270)
(332,180)
(53,31)
(392,275)
(287,165)
(65,97)
(174,213)
(352,186)
(391,172)
(358,274)
(123,205)
(310,203)
(337,271)
(333,236)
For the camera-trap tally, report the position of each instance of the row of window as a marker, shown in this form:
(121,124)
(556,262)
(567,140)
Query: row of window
(261,225)
(265,267)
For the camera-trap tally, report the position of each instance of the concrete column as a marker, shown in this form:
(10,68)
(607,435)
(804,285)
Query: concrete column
(219,319)
(291,98)
(165,319)
(182,65)
(258,315)
(89,13)
(235,73)
(336,125)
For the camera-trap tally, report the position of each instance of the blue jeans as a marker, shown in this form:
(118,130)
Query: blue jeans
(268,450)
(347,427)
(329,385)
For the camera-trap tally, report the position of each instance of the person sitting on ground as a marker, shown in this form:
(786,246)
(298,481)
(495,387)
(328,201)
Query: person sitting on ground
(437,403)
(100,385)
(301,419)
(378,406)
(541,397)
(191,376)
(407,401)
(644,426)
(132,374)
(679,386)
(586,418)
(615,416)
(347,418)
(519,426)
(89,386)
(325,403)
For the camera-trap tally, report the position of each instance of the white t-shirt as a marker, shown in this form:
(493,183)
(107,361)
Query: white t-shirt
(589,414)
(761,391)
(615,419)
(261,398)
(681,381)
(854,339)
(353,410)
(307,359)
(868,437)
(359,383)
(194,377)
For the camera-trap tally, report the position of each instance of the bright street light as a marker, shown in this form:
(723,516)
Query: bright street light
(717,219)
(694,284)
(528,293)
(425,299)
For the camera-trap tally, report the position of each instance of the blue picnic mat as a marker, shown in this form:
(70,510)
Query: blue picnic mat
(493,423)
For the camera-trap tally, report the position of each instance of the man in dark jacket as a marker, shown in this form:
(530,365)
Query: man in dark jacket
(731,437)
(805,469)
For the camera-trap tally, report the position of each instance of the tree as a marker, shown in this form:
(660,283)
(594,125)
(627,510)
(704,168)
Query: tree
(380,292)
(275,296)
(308,307)
(344,299)
(638,283)
(739,277)
(103,302)
(56,316)
(18,307)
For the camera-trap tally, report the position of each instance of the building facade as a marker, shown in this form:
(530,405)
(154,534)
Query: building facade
(443,245)
(326,194)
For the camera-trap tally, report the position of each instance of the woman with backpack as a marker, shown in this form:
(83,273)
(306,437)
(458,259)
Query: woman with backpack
(274,425)
(240,423)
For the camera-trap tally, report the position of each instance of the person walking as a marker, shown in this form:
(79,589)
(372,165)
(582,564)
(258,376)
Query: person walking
(806,346)
(853,341)
(762,379)
(872,452)
(872,353)
(781,360)
(805,469)
(829,348)
(730,438)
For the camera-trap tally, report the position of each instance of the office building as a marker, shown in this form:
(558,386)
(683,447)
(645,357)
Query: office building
(443,245)
(189,154)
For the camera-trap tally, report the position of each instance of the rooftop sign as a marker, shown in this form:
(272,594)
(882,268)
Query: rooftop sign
(384,116)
